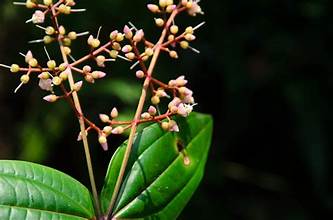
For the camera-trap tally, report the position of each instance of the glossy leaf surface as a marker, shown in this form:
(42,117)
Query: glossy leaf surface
(34,192)
(164,170)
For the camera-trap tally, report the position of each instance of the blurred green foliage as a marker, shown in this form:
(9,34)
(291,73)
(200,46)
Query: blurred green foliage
(264,72)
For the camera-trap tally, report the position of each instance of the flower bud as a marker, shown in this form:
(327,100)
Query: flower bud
(98,74)
(86,69)
(152,110)
(56,80)
(49,30)
(64,75)
(114,113)
(189,30)
(28,56)
(62,30)
(165,126)
(174,29)
(155,100)
(189,37)
(130,55)
(149,51)
(159,22)
(62,66)
(44,75)
(127,49)
(116,46)
(25,78)
(171,37)
(77,86)
(100,60)
(103,141)
(72,35)
(14,68)
(89,78)
(118,130)
(51,64)
(114,54)
(138,35)
(113,35)
(107,130)
(140,74)
(163,3)
(120,37)
(153,8)
(170,8)
(173,126)
(128,33)
(104,118)
(47,39)
(180,81)
(145,115)
(173,54)
(67,50)
(30,4)
(33,62)
(51,98)
(184,44)
(47,2)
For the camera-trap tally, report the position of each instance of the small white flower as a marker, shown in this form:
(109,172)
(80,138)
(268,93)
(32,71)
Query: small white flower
(45,84)
(38,17)
(195,9)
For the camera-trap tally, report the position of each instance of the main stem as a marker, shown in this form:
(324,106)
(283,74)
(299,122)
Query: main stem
(139,112)
(81,122)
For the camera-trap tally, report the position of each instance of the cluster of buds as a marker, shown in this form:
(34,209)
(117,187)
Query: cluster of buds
(129,44)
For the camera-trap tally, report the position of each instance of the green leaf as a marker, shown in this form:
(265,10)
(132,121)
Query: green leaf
(30,191)
(158,181)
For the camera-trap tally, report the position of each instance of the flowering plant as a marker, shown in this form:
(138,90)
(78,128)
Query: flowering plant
(155,172)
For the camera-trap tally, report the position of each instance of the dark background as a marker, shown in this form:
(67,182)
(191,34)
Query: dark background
(264,73)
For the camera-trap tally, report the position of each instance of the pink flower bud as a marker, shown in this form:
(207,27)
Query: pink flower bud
(173,126)
(98,74)
(78,86)
(138,35)
(28,56)
(51,98)
(152,110)
(114,113)
(104,118)
(128,33)
(153,8)
(180,81)
(118,130)
(103,141)
(114,35)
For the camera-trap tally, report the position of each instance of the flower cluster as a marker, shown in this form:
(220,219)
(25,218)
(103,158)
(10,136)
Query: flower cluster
(57,77)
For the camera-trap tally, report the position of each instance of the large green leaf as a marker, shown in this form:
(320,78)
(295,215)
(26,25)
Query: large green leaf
(34,192)
(159,182)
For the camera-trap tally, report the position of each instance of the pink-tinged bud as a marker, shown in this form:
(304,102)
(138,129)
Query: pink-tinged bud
(51,98)
(113,35)
(90,39)
(118,130)
(38,17)
(173,126)
(152,110)
(104,118)
(127,48)
(153,8)
(98,74)
(138,35)
(161,93)
(180,81)
(171,8)
(145,115)
(107,130)
(45,84)
(114,113)
(44,75)
(100,60)
(28,56)
(103,141)
(140,74)
(128,33)
(175,102)
(86,69)
(77,86)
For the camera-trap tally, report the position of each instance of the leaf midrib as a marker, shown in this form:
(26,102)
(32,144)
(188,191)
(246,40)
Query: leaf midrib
(198,134)
(33,181)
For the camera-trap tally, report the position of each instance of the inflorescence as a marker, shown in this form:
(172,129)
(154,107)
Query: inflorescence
(130,44)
